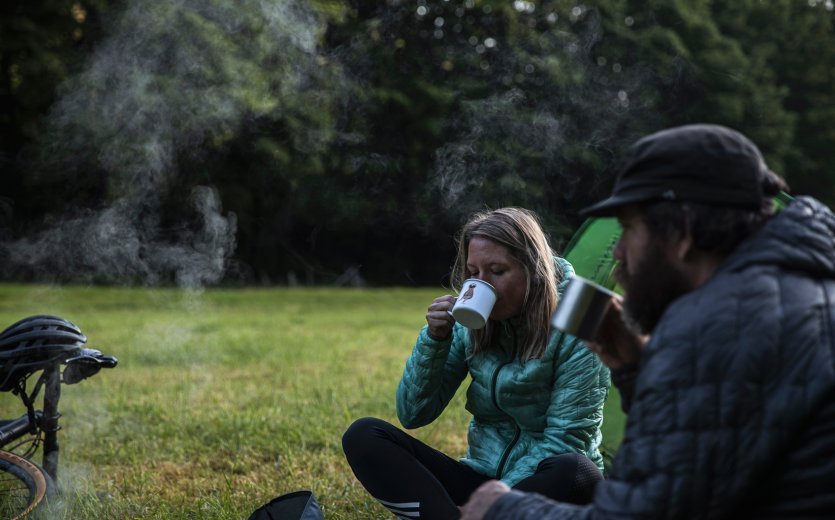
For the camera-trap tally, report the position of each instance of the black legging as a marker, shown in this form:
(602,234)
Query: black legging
(415,481)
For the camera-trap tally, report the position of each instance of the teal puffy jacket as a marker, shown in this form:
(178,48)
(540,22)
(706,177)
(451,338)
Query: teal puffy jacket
(522,412)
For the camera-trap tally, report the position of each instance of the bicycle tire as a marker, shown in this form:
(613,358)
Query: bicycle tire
(24,486)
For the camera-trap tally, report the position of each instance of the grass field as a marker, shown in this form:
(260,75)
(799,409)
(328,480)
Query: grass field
(224,399)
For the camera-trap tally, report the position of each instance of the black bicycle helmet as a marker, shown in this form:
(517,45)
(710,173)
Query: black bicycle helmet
(33,343)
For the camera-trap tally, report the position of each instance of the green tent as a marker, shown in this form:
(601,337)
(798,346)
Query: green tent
(590,249)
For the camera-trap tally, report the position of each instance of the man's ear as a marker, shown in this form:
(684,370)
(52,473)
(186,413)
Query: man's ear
(680,247)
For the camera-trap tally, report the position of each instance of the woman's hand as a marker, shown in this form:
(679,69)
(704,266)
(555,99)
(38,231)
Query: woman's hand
(616,344)
(482,499)
(438,318)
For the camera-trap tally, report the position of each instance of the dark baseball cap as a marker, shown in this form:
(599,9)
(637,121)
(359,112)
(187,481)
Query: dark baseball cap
(710,164)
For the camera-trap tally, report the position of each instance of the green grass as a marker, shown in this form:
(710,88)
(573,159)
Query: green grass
(224,399)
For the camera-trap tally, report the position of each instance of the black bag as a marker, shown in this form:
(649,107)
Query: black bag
(298,505)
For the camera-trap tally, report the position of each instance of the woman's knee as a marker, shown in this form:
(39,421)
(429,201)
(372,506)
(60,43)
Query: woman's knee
(575,476)
(586,478)
(362,434)
(571,463)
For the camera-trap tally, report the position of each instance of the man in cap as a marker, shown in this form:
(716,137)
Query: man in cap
(723,347)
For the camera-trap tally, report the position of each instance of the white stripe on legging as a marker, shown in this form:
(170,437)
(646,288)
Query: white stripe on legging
(408,505)
(402,509)
(398,512)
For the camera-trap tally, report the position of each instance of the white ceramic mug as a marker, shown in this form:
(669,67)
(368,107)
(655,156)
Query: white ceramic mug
(474,303)
(581,308)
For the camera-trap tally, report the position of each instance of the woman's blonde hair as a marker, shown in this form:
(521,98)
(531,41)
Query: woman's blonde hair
(520,232)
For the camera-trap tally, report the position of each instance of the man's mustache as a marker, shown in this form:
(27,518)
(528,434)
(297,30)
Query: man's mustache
(621,276)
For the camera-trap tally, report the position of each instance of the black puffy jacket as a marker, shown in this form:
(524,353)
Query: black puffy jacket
(733,413)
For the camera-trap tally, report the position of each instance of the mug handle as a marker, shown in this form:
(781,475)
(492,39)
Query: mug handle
(450,311)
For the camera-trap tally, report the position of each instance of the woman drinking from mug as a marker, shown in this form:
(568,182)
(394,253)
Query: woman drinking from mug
(536,394)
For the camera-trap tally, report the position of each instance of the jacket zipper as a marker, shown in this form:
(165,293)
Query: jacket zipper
(517,431)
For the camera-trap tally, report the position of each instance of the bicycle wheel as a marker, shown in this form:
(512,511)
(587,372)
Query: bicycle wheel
(23,486)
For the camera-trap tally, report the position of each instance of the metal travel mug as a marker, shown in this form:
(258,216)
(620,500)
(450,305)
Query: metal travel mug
(581,308)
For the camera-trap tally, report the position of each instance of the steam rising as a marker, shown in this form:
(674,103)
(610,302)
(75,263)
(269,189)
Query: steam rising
(178,79)
(121,245)
(566,102)
(174,77)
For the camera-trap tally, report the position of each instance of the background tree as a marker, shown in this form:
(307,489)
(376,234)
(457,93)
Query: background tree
(797,37)
(700,67)
(281,141)
(41,44)
(126,158)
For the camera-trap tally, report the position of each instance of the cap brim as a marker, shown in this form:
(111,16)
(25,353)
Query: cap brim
(609,207)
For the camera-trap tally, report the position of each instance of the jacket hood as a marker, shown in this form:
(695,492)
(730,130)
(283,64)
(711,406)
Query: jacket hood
(801,238)
(565,272)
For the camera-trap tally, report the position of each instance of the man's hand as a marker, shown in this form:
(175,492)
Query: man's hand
(616,344)
(482,498)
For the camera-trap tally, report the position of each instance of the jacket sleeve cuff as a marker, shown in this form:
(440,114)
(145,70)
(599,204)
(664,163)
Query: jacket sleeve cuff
(507,505)
(425,339)
(516,505)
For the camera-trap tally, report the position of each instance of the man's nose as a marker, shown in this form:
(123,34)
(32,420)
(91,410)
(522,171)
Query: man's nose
(618,250)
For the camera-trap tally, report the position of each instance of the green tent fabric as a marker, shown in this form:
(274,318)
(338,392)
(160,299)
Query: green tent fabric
(590,249)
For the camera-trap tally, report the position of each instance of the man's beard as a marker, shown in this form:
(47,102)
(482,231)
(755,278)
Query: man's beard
(651,289)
